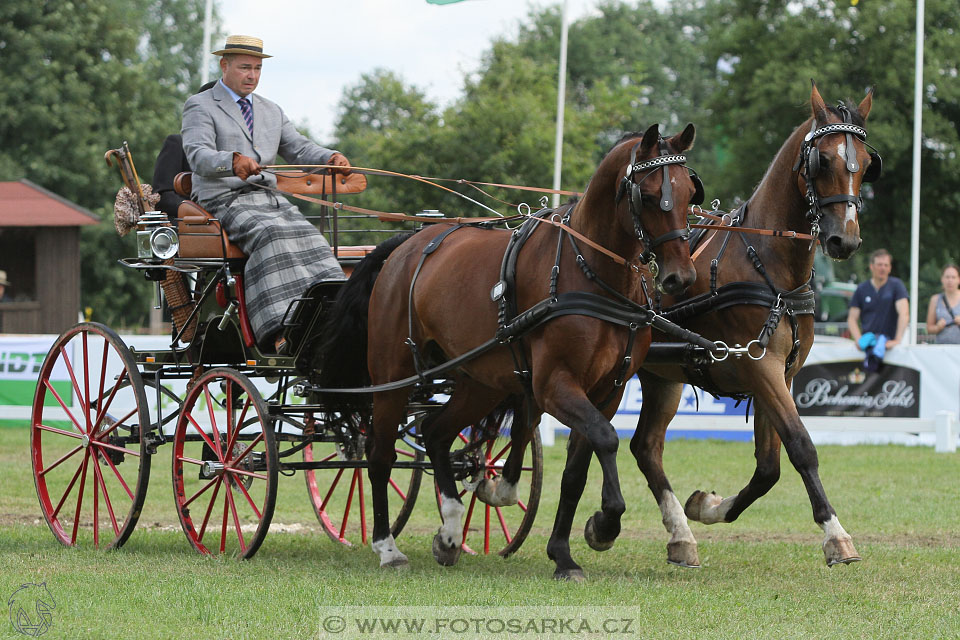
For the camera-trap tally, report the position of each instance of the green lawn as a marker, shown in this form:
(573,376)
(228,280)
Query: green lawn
(762,577)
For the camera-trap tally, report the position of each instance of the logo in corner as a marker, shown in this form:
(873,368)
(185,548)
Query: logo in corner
(30,608)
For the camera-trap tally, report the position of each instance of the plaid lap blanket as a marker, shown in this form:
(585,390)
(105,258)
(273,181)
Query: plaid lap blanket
(286,255)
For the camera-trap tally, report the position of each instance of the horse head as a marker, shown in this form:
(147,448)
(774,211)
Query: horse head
(659,188)
(833,161)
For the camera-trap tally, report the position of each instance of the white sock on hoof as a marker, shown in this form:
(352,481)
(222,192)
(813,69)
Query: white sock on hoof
(387,550)
(451,511)
(674,519)
(833,531)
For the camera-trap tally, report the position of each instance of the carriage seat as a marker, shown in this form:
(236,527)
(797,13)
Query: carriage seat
(200,233)
(202,237)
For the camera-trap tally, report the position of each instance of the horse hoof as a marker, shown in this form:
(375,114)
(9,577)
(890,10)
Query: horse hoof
(683,554)
(840,551)
(395,563)
(593,539)
(699,504)
(489,493)
(569,575)
(445,556)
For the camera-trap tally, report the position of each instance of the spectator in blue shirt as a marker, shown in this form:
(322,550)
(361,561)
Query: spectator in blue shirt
(880,305)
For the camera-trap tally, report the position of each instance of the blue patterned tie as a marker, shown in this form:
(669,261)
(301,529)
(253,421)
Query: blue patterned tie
(247,110)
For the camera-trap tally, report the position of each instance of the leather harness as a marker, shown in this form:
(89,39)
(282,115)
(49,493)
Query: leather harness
(781,302)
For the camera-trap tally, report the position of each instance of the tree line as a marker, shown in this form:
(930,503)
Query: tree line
(738,69)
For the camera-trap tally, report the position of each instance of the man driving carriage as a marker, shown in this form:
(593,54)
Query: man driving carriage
(229,134)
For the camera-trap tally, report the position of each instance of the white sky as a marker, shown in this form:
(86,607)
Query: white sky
(322,46)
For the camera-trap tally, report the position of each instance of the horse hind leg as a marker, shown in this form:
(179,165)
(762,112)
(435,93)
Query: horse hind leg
(661,399)
(469,403)
(388,412)
(502,490)
(710,508)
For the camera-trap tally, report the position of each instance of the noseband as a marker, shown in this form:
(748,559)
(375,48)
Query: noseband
(809,160)
(664,160)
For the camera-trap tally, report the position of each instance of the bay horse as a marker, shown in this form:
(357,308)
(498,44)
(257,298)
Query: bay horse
(813,184)
(426,299)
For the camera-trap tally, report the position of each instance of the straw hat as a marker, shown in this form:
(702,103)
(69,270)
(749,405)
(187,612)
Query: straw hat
(245,45)
(3,279)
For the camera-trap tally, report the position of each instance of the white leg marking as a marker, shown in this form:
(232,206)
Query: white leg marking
(451,511)
(390,556)
(674,520)
(833,531)
(714,509)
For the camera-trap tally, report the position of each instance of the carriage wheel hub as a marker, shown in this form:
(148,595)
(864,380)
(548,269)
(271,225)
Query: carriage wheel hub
(84,441)
(211,468)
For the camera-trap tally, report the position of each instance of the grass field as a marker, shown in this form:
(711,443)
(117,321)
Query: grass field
(762,577)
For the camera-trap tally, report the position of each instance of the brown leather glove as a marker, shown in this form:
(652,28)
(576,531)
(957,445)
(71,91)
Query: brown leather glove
(340,161)
(244,166)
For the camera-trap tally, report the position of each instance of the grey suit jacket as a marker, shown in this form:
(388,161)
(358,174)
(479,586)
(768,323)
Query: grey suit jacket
(213,129)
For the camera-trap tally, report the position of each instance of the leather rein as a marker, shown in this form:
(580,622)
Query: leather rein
(726,222)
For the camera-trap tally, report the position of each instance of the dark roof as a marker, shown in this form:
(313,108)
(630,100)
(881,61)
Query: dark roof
(25,204)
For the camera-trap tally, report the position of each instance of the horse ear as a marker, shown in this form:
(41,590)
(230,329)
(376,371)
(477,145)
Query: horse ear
(864,108)
(684,141)
(651,137)
(816,101)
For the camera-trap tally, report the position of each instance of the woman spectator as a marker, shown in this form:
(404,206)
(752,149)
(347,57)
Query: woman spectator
(943,314)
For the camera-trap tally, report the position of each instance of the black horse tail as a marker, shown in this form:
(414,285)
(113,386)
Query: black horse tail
(340,357)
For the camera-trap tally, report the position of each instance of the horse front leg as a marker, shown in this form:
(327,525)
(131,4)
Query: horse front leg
(571,407)
(579,455)
(660,401)
(778,410)
(388,412)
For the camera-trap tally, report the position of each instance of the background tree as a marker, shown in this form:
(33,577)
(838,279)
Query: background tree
(81,77)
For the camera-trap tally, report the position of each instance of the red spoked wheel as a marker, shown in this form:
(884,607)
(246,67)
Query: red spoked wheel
(340,491)
(224,465)
(90,461)
(498,530)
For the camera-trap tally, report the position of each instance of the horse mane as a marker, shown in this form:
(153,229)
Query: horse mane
(627,136)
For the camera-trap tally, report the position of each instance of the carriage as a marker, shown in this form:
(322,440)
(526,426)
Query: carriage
(238,419)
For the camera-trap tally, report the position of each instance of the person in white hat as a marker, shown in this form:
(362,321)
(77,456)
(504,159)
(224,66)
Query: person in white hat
(229,133)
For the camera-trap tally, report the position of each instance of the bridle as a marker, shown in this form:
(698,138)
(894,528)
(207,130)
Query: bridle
(809,160)
(665,160)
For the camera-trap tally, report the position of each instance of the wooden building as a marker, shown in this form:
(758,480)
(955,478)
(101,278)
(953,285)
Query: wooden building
(40,251)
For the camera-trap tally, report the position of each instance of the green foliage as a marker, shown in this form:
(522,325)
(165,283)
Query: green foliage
(81,77)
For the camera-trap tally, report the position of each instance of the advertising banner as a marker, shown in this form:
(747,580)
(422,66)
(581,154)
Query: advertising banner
(20,360)
(846,389)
